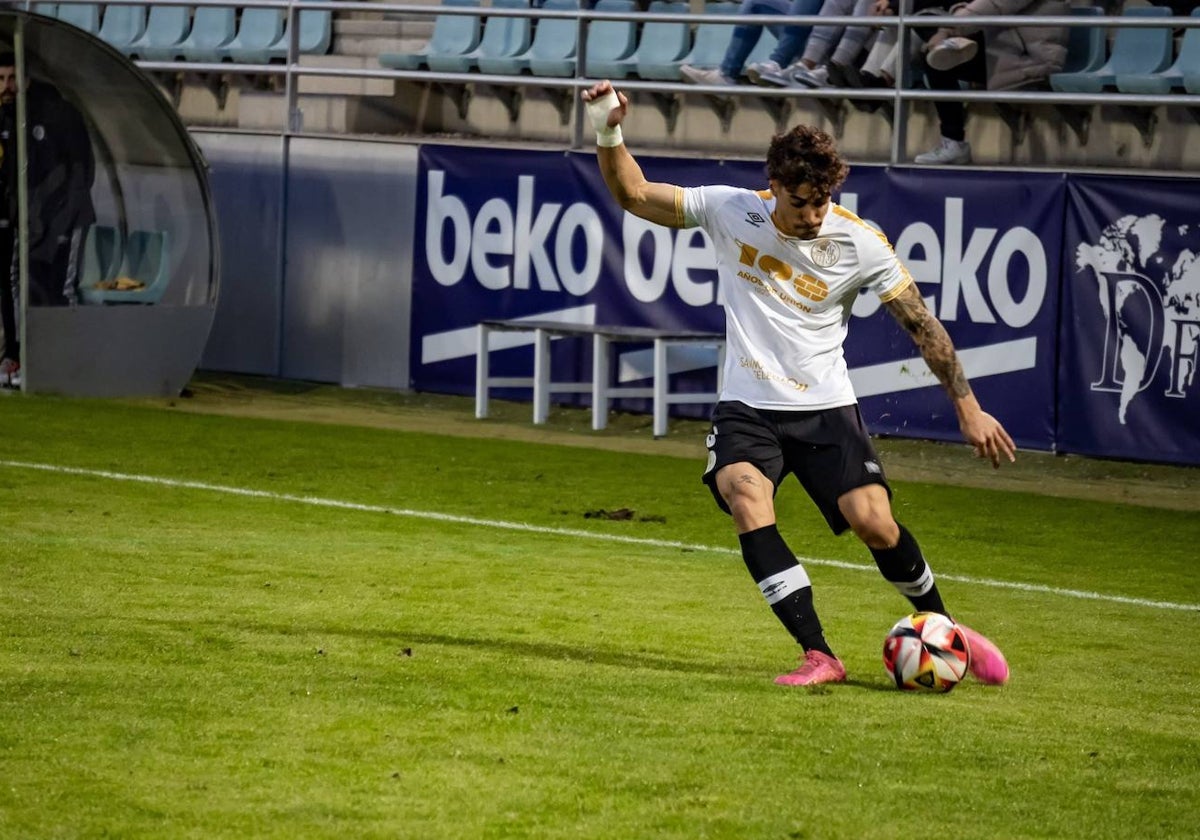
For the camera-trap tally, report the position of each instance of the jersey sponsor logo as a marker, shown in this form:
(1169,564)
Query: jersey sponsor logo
(825,252)
(1147,276)
(813,288)
(759,372)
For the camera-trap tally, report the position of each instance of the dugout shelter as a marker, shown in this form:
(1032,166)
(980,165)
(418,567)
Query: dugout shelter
(145,263)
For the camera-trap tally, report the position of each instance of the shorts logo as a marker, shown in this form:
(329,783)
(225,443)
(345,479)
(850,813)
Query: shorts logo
(825,252)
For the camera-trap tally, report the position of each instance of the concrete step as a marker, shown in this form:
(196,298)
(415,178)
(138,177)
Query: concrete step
(373,47)
(261,110)
(332,85)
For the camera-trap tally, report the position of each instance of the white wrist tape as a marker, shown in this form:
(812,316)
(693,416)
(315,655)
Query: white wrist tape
(598,111)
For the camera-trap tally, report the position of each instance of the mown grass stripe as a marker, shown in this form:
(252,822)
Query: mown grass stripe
(436,516)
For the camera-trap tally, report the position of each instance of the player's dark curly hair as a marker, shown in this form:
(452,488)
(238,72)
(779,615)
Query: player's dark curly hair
(806,155)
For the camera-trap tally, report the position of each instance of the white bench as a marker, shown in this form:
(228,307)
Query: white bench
(603,391)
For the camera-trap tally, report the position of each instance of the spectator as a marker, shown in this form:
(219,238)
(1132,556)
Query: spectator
(61,170)
(831,55)
(745,37)
(1000,58)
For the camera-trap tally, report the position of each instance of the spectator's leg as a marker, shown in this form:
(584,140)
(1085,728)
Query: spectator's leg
(952,114)
(822,39)
(792,39)
(850,45)
(746,35)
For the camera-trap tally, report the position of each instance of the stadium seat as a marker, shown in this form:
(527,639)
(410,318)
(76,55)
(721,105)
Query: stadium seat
(555,41)
(711,39)
(166,28)
(123,25)
(1086,45)
(503,38)
(662,46)
(1136,51)
(144,260)
(258,30)
(86,16)
(453,35)
(213,28)
(610,42)
(100,262)
(1187,62)
(314,38)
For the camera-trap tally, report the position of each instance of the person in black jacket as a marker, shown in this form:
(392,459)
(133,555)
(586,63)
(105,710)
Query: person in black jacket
(61,170)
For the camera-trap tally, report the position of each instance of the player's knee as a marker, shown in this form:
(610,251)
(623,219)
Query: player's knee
(877,529)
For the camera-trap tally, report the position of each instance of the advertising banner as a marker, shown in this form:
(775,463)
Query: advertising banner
(535,235)
(1131,331)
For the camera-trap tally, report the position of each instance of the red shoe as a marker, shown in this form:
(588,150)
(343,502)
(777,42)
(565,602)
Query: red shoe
(817,668)
(986,661)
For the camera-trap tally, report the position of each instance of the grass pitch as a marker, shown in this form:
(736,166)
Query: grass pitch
(238,627)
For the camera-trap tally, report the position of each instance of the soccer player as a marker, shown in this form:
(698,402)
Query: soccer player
(790,263)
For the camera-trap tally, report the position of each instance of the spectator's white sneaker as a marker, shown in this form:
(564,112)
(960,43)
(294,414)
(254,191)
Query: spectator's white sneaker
(758,69)
(947,152)
(814,78)
(952,52)
(701,76)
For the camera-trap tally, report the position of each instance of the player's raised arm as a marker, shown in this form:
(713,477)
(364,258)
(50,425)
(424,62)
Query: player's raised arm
(980,429)
(659,203)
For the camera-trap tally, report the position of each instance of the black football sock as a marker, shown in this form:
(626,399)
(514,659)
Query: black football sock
(905,568)
(784,584)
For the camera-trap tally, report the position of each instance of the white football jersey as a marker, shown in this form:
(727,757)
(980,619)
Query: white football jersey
(787,300)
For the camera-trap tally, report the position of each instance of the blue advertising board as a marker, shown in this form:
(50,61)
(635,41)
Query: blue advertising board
(516,234)
(1131,332)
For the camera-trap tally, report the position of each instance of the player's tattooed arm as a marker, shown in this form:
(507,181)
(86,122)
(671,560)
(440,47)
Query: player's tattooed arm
(985,434)
(931,338)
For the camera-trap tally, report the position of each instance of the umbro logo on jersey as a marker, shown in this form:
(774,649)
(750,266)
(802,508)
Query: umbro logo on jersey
(755,219)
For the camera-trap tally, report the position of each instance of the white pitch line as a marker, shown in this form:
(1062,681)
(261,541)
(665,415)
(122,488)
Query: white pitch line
(317,501)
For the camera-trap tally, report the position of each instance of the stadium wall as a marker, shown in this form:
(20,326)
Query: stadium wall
(1075,299)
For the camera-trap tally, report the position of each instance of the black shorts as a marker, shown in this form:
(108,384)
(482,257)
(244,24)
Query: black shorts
(829,451)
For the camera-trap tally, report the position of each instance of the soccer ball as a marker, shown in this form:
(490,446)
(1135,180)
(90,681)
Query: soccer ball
(926,651)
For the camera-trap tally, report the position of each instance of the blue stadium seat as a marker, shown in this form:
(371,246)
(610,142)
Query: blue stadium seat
(84,15)
(503,38)
(1187,62)
(144,259)
(258,30)
(662,46)
(123,25)
(610,42)
(555,42)
(1135,51)
(166,28)
(453,35)
(711,39)
(314,38)
(1087,46)
(213,28)
(100,262)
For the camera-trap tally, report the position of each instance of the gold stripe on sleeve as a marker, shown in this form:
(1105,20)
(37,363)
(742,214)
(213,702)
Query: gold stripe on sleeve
(679,220)
(892,294)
